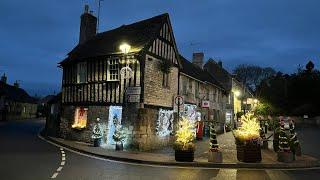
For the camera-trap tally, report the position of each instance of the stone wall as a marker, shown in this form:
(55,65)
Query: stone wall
(83,135)
(138,123)
(154,92)
(143,131)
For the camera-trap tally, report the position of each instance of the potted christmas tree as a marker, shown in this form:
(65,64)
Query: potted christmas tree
(184,146)
(214,154)
(284,153)
(294,142)
(248,139)
(118,137)
(97,134)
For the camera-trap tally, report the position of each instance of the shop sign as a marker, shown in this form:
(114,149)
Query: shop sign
(205,104)
(133,90)
(133,98)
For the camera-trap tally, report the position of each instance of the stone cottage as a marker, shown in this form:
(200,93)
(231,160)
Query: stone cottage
(15,103)
(202,91)
(127,75)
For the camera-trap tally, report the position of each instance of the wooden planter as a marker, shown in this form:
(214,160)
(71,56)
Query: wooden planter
(184,156)
(285,157)
(215,157)
(249,152)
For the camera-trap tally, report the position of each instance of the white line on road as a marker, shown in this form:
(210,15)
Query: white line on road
(59,169)
(54,175)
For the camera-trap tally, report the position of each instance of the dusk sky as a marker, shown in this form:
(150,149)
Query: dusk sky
(37,34)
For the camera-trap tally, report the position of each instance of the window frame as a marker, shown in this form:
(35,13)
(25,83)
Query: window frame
(114,61)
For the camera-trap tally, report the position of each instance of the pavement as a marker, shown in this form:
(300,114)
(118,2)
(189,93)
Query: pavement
(165,156)
(25,156)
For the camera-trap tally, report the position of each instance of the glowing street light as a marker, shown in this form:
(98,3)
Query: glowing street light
(125,48)
(237,93)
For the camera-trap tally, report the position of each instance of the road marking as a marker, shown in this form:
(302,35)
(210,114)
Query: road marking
(54,175)
(59,169)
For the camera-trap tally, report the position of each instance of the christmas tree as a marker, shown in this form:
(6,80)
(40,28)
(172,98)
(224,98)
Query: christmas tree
(214,146)
(283,139)
(97,133)
(294,142)
(184,135)
(119,134)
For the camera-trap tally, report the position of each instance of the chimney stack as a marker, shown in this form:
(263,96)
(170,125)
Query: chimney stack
(197,59)
(220,63)
(88,25)
(16,84)
(4,78)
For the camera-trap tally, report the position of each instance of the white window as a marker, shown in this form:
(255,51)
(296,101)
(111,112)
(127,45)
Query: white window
(113,69)
(82,72)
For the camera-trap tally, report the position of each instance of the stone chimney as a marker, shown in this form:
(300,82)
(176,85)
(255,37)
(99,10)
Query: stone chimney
(220,63)
(16,84)
(197,59)
(4,78)
(88,26)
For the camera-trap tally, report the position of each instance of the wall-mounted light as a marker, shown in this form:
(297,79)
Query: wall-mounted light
(125,48)
(237,93)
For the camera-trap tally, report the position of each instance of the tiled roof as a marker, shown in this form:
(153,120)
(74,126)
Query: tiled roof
(196,72)
(13,93)
(138,35)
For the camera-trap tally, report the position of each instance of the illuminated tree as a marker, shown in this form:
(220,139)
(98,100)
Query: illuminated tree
(249,130)
(185,135)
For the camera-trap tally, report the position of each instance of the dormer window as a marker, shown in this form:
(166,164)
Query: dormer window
(82,72)
(113,69)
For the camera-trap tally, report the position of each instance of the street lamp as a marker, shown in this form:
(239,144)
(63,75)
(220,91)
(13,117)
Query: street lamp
(237,93)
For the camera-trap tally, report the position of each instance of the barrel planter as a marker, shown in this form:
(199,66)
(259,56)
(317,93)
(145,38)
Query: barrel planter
(184,156)
(249,152)
(119,146)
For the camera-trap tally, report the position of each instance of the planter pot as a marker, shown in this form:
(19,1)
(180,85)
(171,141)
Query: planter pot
(184,156)
(275,145)
(119,147)
(265,145)
(215,157)
(249,152)
(97,142)
(285,157)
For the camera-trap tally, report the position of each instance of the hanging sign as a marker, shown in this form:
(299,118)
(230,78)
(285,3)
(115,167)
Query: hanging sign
(126,72)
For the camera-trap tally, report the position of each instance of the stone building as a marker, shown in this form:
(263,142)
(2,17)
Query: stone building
(126,75)
(237,93)
(15,103)
(202,91)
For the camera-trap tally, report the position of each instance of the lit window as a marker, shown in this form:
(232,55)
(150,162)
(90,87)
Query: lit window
(113,69)
(82,72)
(80,118)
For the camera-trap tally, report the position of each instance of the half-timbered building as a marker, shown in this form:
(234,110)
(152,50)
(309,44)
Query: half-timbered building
(117,75)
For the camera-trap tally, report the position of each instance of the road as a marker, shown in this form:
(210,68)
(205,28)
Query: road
(24,156)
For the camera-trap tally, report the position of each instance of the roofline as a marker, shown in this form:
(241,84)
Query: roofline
(205,82)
